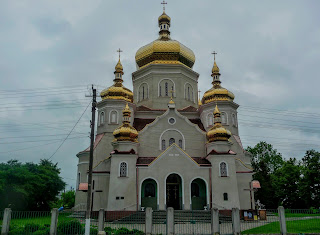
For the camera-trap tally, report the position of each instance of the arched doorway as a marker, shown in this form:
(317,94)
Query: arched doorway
(174,191)
(198,194)
(149,192)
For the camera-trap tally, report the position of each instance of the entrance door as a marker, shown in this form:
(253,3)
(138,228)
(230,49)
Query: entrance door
(174,192)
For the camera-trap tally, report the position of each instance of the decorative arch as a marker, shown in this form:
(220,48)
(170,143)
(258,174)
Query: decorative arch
(143,94)
(224,118)
(234,119)
(207,189)
(223,166)
(162,93)
(210,119)
(141,188)
(189,92)
(182,187)
(113,111)
(183,139)
(101,118)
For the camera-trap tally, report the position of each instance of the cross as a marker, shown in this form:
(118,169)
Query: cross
(214,54)
(163,3)
(171,91)
(119,52)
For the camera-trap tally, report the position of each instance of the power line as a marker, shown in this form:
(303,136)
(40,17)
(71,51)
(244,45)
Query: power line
(69,132)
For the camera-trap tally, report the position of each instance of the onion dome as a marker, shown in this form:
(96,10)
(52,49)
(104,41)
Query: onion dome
(217,132)
(117,91)
(164,50)
(126,132)
(217,92)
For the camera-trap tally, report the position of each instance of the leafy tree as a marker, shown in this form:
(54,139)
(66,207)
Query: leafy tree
(286,183)
(310,182)
(29,186)
(265,160)
(67,200)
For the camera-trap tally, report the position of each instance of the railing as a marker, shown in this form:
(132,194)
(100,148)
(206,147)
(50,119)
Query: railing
(270,221)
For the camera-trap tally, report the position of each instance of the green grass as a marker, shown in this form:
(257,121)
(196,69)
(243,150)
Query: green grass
(296,226)
(288,215)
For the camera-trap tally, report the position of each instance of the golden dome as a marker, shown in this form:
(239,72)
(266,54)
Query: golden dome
(215,68)
(218,132)
(117,91)
(126,132)
(217,92)
(164,50)
(164,17)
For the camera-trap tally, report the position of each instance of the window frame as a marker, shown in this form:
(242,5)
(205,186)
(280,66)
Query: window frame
(126,168)
(227,169)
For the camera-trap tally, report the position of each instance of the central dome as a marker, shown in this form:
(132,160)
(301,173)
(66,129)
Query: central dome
(164,50)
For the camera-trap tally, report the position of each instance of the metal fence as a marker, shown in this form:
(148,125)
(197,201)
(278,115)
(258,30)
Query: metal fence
(293,221)
(192,222)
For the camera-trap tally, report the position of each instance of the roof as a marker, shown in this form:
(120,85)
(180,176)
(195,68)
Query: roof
(140,123)
(145,108)
(145,161)
(188,109)
(214,152)
(198,122)
(96,142)
(123,152)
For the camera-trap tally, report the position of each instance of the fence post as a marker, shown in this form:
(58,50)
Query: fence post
(101,223)
(54,221)
(215,226)
(170,221)
(235,221)
(282,220)
(6,221)
(148,229)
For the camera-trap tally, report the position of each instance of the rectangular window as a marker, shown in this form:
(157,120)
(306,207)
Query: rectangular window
(225,196)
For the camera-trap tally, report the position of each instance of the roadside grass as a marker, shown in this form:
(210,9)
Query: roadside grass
(294,226)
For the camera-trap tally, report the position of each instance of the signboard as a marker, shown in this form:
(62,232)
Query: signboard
(255,184)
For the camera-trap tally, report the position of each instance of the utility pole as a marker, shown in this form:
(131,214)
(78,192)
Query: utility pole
(93,110)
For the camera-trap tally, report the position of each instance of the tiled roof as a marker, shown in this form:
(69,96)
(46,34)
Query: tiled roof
(145,161)
(140,123)
(145,108)
(214,152)
(123,152)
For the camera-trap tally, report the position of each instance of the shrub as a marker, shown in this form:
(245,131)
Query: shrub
(42,232)
(70,227)
(109,230)
(93,231)
(17,231)
(121,231)
(30,228)
(137,232)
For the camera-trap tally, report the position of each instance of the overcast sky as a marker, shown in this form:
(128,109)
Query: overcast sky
(51,51)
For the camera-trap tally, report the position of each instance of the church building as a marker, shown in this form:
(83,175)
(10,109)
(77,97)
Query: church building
(161,145)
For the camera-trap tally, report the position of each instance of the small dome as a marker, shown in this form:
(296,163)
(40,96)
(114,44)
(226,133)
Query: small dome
(126,132)
(117,91)
(164,18)
(217,92)
(218,132)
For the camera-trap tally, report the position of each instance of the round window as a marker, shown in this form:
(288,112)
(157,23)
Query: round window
(172,121)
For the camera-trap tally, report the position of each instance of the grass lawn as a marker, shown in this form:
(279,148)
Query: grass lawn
(296,226)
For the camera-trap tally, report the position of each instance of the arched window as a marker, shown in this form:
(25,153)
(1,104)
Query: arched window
(223,118)
(191,95)
(143,92)
(195,191)
(114,117)
(234,121)
(223,169)
(180,143)
(210,120)
(101,118)
(225,196)
(149,190)
(163,145)
(171,141)
(188,93)
(123,169)
(166,89)
(172,91)
(160,90)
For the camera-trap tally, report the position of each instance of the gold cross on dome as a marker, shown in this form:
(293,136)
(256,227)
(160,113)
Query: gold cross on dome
(163,3)
(171,91)
(119,52)
(214,54)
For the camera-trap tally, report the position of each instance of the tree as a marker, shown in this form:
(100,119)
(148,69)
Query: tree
(265,160)
(310,182)
(67,200)
(286,183)
(29,186)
